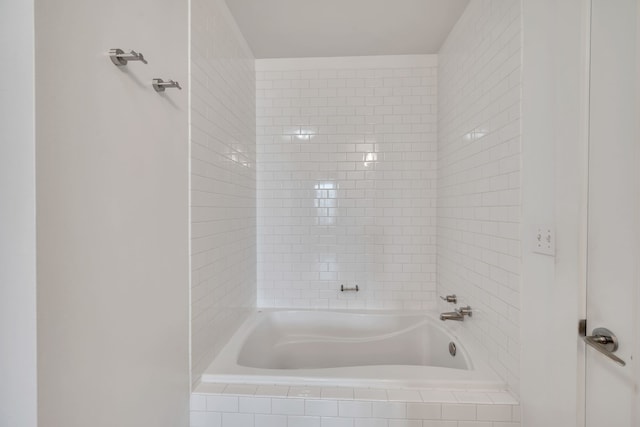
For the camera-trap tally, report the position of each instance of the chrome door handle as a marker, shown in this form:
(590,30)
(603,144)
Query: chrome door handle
(605,342)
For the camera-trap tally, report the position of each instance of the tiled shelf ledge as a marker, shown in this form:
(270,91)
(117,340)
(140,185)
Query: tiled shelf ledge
(245,405)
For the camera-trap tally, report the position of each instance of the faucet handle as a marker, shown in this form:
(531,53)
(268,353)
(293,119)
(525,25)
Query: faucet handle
(450,298)
(465,311)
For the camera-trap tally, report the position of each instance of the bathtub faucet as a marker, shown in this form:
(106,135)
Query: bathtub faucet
(457,315)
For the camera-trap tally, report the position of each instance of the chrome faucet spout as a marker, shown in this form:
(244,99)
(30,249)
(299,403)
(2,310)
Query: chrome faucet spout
(452,315)
(457,315)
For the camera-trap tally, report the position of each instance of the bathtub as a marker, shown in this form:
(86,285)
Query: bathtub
(351,349)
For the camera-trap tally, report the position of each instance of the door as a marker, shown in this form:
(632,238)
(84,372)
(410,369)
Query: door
(614,216)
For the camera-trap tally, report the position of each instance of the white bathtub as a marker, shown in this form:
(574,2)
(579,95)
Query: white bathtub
(351,349)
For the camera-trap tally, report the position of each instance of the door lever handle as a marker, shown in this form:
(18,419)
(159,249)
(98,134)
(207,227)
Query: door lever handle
(605,342)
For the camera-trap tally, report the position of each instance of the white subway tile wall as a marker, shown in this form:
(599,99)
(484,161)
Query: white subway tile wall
(226,409)
(223,180)
(346,182)
(478,256)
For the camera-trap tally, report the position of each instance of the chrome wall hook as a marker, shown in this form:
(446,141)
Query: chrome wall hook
(160,85)
(119,58)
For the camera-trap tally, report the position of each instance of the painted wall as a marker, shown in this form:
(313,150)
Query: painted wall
(346,181)
(223,180)
(554,147)
(18,393)
(112,215)
(479,176)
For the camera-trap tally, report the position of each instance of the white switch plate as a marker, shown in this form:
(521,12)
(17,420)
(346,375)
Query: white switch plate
(544,240)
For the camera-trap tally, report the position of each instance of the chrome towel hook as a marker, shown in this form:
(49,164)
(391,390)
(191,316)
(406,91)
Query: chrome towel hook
(160,85)
(119,58)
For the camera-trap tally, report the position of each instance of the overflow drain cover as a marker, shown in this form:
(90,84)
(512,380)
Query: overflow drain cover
(452,349)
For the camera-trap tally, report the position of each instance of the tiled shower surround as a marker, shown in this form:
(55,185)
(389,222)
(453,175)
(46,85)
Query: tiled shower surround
(399,174)
(223,223)
(479,175)
(346,152)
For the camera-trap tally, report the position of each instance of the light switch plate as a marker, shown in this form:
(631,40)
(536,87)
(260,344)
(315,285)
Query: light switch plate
(544,240)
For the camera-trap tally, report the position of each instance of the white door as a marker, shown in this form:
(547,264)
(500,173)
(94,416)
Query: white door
(614,215)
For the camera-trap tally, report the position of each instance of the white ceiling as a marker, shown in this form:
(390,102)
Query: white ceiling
(311,28)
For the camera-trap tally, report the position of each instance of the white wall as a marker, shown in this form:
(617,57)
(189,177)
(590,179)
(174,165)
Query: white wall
(18,394)
(112,215)
(553,192)
(223,180)
(346,181)
(479,176)
(637,293)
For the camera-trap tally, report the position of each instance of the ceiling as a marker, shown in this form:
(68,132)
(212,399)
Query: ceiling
(317,28)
